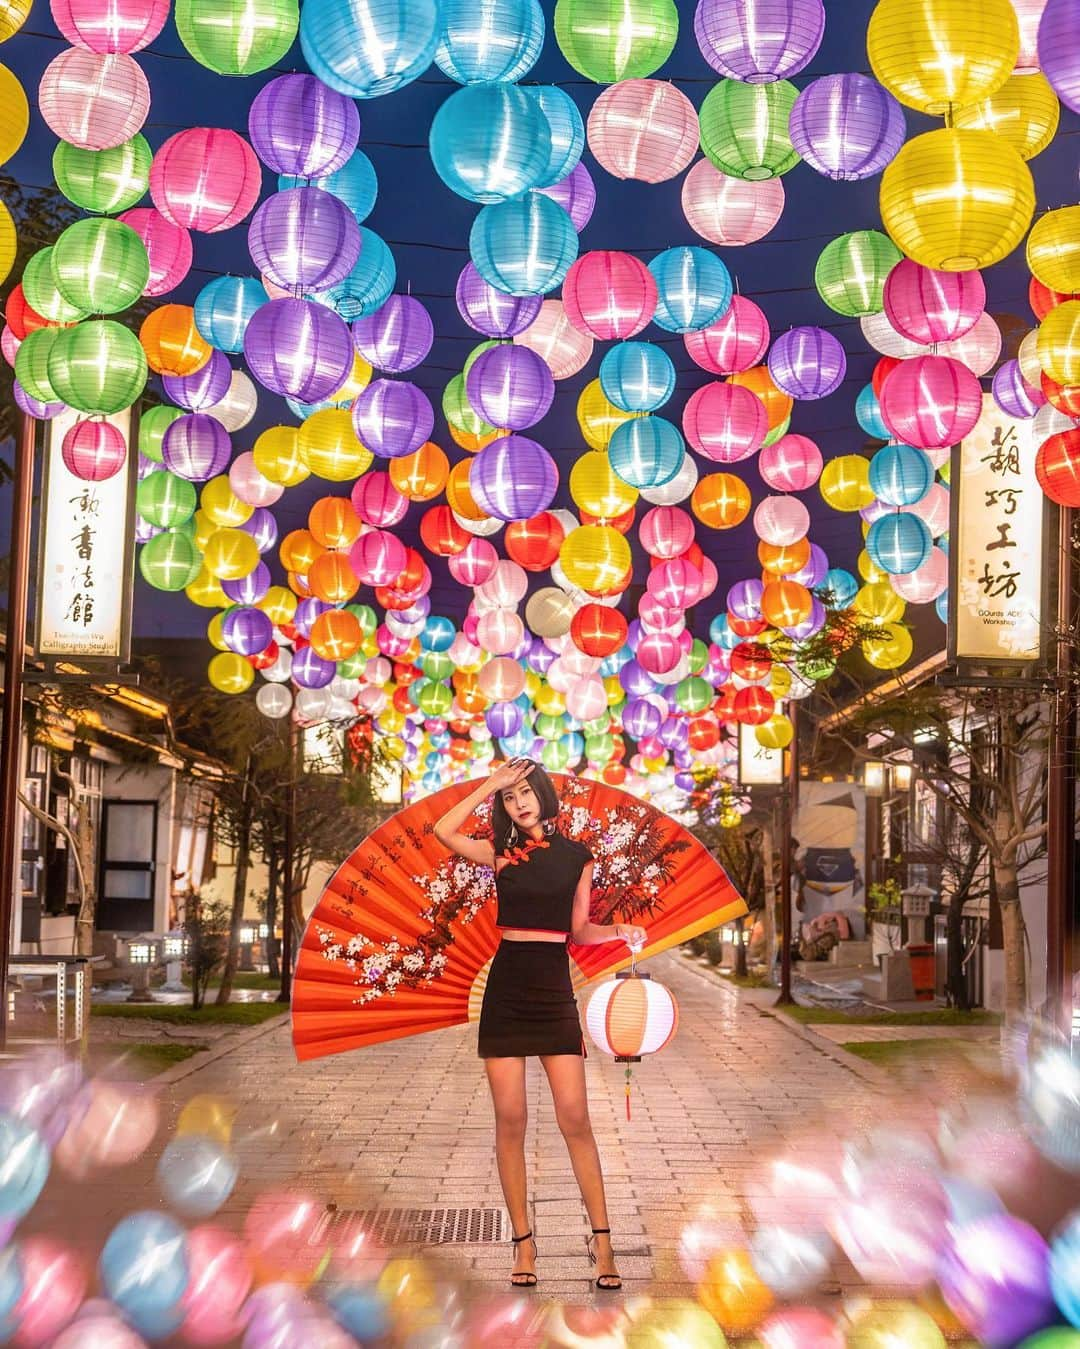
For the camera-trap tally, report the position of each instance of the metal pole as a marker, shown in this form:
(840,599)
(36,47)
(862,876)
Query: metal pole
(787,823)
(11,723)
(288,871)
(1061,792)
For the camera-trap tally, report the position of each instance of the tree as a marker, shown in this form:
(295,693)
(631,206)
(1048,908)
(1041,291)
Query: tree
(206,926)
(741,852)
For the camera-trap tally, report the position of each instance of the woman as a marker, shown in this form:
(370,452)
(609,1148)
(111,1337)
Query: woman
(543,881)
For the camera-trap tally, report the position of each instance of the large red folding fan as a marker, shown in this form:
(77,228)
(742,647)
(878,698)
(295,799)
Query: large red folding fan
(402,937)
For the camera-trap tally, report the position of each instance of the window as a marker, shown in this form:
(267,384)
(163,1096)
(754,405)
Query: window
(129,845)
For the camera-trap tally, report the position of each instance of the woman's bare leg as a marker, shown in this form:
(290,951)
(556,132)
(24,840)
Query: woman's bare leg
(506,1078)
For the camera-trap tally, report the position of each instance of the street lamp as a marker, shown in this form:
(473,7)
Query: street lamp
(247,940)
(901,776)
(874,771)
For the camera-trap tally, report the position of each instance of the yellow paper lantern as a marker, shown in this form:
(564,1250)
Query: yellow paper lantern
(1025,111)
(9,242)
(1027,358)
(776,733)
(940,54)
(1053,250)
(779,681)
(358,379)
(879,602)
(596,558)
(869,570)
(221,504)
(845,483)
(14,111)
(598,417)
(614,690)
(957,200)
(550,701)
(230,554)
(214,633)
(230,673)
(890,648)
(13,14)
(597,489)
(206,592)
(277,456)
(278,604)
(327,445)
(1059,343)
(733,1291)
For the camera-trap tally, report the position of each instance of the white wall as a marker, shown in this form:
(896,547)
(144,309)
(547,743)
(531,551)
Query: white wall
(150,782)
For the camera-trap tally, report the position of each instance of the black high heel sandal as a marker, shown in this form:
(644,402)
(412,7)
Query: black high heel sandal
(613,1281)
(526,1278)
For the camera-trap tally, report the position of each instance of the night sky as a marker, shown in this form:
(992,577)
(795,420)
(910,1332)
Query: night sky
(427,227)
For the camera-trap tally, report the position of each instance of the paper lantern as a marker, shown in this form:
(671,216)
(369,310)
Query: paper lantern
(931,306)
(637,376)
(1057,52)
(94,451)
(368,285)
(646,452)
(724,422)
(852,270)
(525,246)
(397,337)
(758,41)
(899,544)
(931,402)
(1057,467)
(93,100)
(1064,397)
(934,57)
(1053,251)
(355,183)
(925,583)
(14,114)
(393,417)
(728,210)
(298,348)
(643,129)
(744,129)
(609,295)
(1024,111)
(510,386)
(100,266)
(299,126)
(103,181)
(1058,343)
(845,483)
(565,129)
(168,247)
(597,558)
(846,127)
(13,14)
(236,409)
(164,499)
(735,342)
(597,490)
(169,561)
(598,417)
(116,26)
(978,349)
(807,363)
(791,464)
(97,367)
(694,288)
(43,294)
(196,447)
(957,200)
(492,44)
(513,478)
(900,475)
(786,604)
(491,311)
(223,309)
(367,48)
(565,349)
(781,520)
(490,142)
(304,239)
(1028,14)
(576,194)
(610,40)
(205,178)
(1013,394)
(172,343)
(775,401)
(237,37)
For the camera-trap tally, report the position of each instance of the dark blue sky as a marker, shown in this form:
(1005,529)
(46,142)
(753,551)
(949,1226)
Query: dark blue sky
(427,227)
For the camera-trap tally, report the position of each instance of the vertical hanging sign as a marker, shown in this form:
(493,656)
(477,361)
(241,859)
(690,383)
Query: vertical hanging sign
(758,765)
(996,542)
(86,554)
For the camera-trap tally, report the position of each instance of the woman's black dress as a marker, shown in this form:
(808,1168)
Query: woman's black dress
(528,1006)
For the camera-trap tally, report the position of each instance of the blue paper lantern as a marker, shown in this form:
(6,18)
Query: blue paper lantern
(369,285)
(26,1166)
(941,606)
(646,452)
(901,475)
(437,634)
(807,363)
(354,183)
(366,48)
(197,1173)
(847,126)
(489,43)
(144,1265)
(899,544)
(566,129)
(694,288)
(637,376)
(525,246)
(842,587)
(490,142)
(868,414)
(224,307)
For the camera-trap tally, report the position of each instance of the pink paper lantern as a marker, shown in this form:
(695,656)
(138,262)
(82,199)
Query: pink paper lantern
(474,565)
(565,348)
(801,1328)
(732,344)
(220,1277)
(110,25)
(791,464)
(499,631)
(643,129)
(609,295)
(781,520)
(377,501)
(666,531)
(978,349)
(168,247)
(931,402)
(94,451)
(55,1281)
(93,100)
(926,306)
(658,652)
(727,210)
(378,558)
(9,345)
(933,509)
(925,583)
(249,484)
(586,698)
(677,584)
(725,422)
(205,178)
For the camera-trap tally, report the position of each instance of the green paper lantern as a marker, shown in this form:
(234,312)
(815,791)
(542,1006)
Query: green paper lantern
(365,616)
(237,37)
(458,411)
(744,129)
(599,748)
(100,265)
(436,665)
(153,423)
(42,293)
(169,561)
(549,726)
(32,364)
(693,694)
(165,500)
(352,667)
(610,40)
(97,366)
(851,272)
(778,432)
(434,700)
(699,656)
(104,181)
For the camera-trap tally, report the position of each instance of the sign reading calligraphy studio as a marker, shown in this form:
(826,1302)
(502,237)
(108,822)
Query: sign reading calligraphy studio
(996,544)
(86,554)
(758,766)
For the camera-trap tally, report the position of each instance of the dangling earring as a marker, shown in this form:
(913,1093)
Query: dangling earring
(512,837)
(548,827)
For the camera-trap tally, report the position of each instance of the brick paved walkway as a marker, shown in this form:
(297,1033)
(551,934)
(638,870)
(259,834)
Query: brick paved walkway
(409,1124)
(863,1034)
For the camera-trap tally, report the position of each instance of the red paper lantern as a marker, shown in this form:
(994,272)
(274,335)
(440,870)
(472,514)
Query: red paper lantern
(441,533)
(598,630)
(754,706)
(534,544)
(1065,397)
(1042,299)
(704,733)
(751,661)
(1057,467)
(884,368)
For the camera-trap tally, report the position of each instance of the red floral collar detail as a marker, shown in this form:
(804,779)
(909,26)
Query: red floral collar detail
(515,855)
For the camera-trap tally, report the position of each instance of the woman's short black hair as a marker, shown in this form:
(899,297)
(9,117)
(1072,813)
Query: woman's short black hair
(544,788)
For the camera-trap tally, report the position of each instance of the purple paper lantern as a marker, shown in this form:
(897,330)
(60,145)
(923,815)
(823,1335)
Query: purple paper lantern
(995,1277)
(247,631)
(299,349)
(393,418)
(758,41)
(397,336)
(814,622)
(634,678)
(641,718)
(510,386)
(207,386)
(493,312)
(847,126)
(807,363)
(576,194)
(304,239)
(249,589)
(145,531)
(263,528)
(34,407)
(196,447)
(299,125)
(513,478)
(307,611)
(1013,394)
(813,572)
(311,671)
(744,599)
(1059,51)
(504,719)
